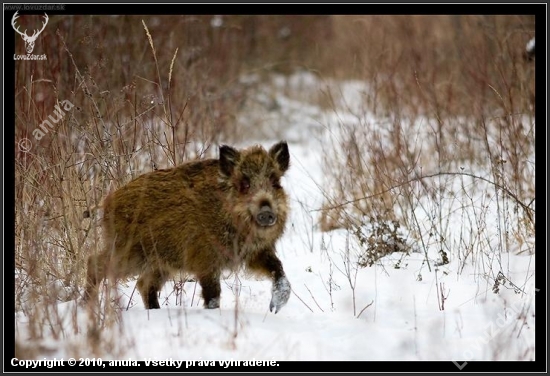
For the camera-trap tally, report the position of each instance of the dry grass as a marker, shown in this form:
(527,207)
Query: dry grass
(438,157)
(443,66)
(444,139)
(149,92)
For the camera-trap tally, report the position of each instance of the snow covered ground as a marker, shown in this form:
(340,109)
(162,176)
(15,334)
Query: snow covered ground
(398,309)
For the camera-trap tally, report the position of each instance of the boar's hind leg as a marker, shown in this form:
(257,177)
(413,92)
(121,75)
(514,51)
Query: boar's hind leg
(268,264)
(149,284)
(95,274)
(211,290)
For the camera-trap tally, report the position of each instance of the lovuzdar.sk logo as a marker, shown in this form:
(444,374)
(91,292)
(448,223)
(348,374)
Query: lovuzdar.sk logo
(29,39)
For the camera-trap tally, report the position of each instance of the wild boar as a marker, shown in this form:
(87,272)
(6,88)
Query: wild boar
(202,217)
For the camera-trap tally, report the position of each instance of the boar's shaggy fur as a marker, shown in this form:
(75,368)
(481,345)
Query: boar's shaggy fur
(202,217)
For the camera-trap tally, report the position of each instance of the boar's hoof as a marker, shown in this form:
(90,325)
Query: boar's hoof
(212,303)
(280,292)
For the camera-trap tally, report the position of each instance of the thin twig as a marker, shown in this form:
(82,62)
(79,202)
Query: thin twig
(526,208)
(367,306)
(131,296)
(312,297)
(302,300)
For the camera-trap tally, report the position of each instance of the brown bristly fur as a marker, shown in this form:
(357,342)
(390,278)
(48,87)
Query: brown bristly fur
(199,217)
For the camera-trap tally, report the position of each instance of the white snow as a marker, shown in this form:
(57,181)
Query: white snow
(400,308)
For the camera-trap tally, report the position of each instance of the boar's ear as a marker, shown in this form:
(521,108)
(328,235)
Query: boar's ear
(279,152)
(228,159)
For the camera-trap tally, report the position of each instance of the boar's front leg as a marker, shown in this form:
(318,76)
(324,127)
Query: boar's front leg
(267,263)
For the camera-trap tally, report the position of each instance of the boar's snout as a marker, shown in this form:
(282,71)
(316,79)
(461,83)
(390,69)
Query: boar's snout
(266,217)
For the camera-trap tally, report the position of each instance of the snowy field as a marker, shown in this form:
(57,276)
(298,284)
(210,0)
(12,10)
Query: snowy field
(407,306)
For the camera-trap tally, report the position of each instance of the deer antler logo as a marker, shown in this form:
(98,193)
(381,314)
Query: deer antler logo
(29,40)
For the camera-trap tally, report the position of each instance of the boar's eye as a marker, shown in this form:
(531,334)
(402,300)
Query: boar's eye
(244,185)
(275,183)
